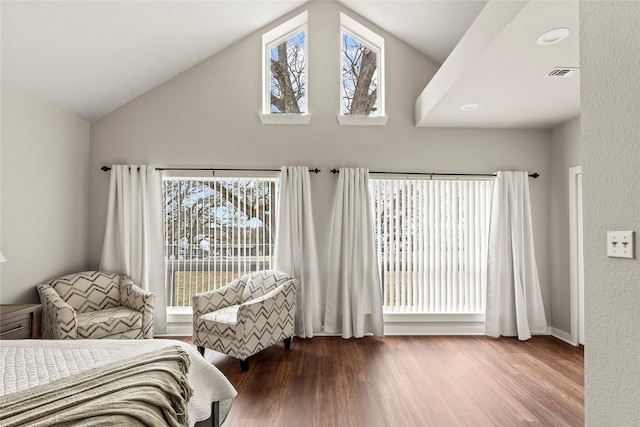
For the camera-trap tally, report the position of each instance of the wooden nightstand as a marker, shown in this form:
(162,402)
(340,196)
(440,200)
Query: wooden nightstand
(20,321)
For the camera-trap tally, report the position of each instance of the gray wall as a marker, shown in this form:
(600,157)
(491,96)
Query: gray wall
(208,116)
(45,188)
(565,153)
(610,126)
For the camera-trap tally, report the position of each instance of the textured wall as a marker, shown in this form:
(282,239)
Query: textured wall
(45,189)
(565,153)
(610,60)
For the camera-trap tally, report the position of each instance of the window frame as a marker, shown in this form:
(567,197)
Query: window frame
(375,42)
(270,39)
(176,313)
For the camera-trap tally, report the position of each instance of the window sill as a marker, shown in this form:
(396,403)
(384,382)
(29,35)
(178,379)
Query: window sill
(285,119)
(362,120)
(433,317)
(180,323)
(434,323)
(179,314)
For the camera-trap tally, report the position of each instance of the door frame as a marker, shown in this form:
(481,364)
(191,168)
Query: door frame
(576,255)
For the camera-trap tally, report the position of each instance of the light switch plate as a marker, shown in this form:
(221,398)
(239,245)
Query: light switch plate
(621,244)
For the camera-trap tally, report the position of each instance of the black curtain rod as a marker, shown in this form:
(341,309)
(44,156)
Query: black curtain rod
(533,175)
(316,170)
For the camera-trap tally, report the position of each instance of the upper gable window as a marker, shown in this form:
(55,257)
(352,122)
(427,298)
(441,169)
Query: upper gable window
(362,74)
(284,73)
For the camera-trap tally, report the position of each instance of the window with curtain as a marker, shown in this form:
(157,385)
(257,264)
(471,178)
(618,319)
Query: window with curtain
(215,229)
(431,238)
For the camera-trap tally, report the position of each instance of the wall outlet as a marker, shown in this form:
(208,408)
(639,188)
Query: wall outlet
(621,244)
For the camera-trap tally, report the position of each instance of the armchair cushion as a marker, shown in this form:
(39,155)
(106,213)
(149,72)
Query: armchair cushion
(112,321)
(222,322)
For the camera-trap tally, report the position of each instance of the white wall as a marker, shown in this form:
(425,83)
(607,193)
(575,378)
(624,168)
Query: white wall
(610,60)
(565,153)
(208,116)
(45,157)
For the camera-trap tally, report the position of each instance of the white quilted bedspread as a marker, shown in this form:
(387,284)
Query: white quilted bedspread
(26,367)
(29,363)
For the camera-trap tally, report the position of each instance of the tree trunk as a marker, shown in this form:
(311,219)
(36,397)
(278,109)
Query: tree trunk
(363,101)
(287,103)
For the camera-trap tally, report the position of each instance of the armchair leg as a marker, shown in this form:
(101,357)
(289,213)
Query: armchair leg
(201,350)
(244,365)
(287,343)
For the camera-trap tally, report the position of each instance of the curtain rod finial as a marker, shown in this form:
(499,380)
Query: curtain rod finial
(535,175)
(334,171)
(105,168)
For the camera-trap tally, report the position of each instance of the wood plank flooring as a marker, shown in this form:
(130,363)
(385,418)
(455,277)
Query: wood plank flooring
(409,381)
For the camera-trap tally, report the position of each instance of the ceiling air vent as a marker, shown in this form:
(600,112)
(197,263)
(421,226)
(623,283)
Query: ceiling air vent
(562,72)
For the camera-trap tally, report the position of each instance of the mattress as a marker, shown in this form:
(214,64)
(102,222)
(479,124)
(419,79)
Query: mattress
(30,363)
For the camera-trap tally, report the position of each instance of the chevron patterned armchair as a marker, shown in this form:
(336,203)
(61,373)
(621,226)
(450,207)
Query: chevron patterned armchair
(95,304)
(246,315)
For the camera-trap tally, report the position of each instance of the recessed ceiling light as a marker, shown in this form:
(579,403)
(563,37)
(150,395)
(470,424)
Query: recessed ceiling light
(469,107)
(553,36)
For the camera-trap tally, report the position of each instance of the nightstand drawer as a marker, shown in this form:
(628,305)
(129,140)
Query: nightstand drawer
(20,321)
(17,330)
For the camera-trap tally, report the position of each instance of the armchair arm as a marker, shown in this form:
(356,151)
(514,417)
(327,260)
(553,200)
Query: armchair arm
(59,319)
(134,298)
(218,298)
(278,307)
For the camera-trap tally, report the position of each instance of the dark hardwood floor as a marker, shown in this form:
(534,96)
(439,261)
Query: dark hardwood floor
(409,381)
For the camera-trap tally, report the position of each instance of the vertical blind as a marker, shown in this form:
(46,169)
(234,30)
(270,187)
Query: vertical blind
(216,229)
(431,238)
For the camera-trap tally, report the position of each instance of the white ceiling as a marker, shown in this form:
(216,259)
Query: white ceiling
(499,66)
(90,57)
(430,26)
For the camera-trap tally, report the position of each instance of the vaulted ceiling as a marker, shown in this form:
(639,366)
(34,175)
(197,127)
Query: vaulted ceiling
(90,57)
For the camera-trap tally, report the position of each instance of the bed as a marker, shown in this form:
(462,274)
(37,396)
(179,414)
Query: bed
(110,382)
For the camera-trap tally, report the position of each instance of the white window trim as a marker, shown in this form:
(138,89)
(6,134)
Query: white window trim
(179,321)
(375,42)
(362,120)
(180,316)
(285,119)
(270,39)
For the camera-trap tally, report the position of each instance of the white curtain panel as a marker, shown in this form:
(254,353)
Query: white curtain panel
(133,240)
(514,304)
(295,246)
(354,301)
